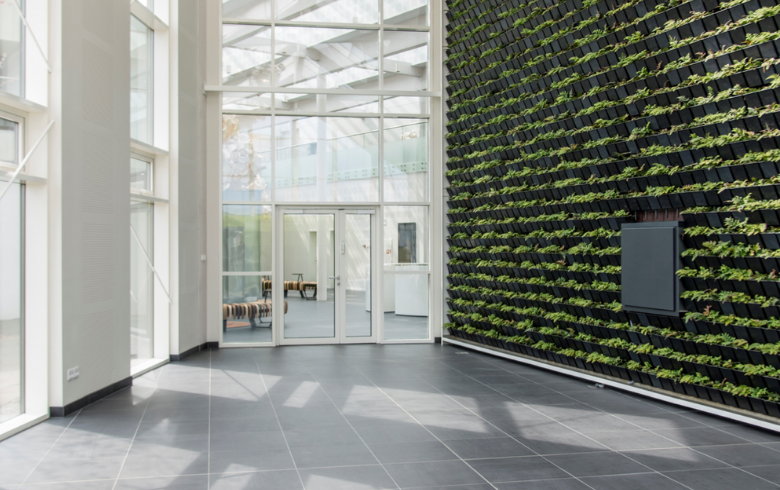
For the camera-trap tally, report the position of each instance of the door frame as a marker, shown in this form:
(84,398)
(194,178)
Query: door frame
(277,294)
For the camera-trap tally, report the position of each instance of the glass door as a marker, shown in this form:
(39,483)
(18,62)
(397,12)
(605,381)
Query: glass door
(326,283)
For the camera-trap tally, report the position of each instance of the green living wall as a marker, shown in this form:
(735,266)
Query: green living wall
(567,119)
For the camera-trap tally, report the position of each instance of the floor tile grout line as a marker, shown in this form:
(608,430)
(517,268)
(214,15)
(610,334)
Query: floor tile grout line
(421,424)
(357,433)
(137,429)
(557,421)
(278,422)
(49,450)
(507,434)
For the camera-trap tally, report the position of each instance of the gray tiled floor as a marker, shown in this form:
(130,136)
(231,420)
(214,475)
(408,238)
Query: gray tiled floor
(374,417)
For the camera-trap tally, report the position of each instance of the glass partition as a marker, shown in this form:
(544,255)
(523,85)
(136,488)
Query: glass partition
(246,238)
(141,81)
(246,158)
(406,160)
(9,141)
(12,37)
(340,11)
(246,55)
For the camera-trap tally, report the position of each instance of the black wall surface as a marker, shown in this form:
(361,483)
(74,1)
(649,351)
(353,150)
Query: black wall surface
(570,118)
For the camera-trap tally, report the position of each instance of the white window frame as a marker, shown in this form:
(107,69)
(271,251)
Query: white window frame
(435,149)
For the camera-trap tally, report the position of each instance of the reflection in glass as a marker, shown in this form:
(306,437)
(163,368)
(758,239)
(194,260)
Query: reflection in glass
(356,273)
(309,256)
(11,300)
(141,283)
(11,49)
(140,174)
(246,9)
(327,159)
(246,238)
(246,158)
(407,105)
(406,237)
(242,328)
(140,81)
(406,160)
(9,142)
(337,11)
(313,57)
(246,101)
(406,12)
(246,55)
(405,60)
(406,306)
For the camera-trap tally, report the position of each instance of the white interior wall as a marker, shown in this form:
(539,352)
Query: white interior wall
(88,196)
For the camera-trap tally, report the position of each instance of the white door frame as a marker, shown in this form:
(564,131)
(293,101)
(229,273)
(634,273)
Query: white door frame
(277,293)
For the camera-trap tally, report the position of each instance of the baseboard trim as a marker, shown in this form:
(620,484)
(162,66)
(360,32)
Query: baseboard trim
(437,340)
(91,398)
(194,350)
(730,413)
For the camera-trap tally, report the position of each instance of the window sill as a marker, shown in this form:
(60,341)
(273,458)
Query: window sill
(19,103)
(147,149)
(20,423)
(147,197)
(143,367)
(7,171)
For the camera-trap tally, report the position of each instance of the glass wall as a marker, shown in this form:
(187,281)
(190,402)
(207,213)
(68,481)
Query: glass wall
(11,303)
(141,282)
(9,141)
(308,140)
(11,49)
(141,81)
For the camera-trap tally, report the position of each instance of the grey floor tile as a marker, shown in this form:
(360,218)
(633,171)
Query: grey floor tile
(597,464)
(304,436)
(558,440)
(641,481)
(429,474)
(264,480)
(744,455)
(347,478)
(250,460)
(193,482)
(721,479)
(412,452)
(320,456)
(14,470)
(675,459)
(633,439)
(488,448)
(248,441)
(701,436)
(74,485)
(58,470)
(262,423)
(516,469)
(184,455)
(394,433)
(770,472)
(169,427)
(752,434)
(557,484)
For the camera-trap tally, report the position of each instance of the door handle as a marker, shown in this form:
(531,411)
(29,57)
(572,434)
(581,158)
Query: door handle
(337,278)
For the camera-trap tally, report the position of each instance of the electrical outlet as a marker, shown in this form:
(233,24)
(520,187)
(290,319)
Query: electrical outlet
(73,373)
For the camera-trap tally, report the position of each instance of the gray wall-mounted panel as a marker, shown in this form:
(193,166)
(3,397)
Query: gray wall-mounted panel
(650,259)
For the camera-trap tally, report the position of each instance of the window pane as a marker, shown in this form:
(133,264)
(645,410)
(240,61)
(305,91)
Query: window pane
(407,105)
(406,306)
(140,174)
(141,282)
(140,81)
(406,237)
(341,11)
(406,12)
(246,238)
(311,103)
(327,159)
(406,160)
(11,49)
(246,55)
(309,57)
(406,60)
(9,142)
(246,158)
(246,9)
(241,328)
(245,101)
(11,324)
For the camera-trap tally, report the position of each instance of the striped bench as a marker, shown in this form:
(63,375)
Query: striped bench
(300,286)
(250,311)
